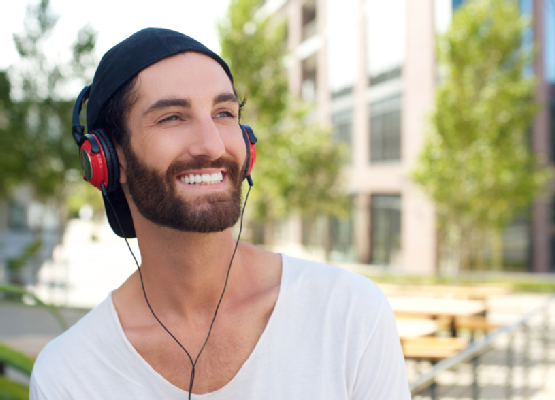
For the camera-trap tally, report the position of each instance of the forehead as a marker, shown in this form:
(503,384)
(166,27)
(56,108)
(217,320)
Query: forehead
(183,75)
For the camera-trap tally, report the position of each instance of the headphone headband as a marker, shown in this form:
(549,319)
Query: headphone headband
(78,130)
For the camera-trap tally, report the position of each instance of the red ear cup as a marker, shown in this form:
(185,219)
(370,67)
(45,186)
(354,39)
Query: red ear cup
(250,141)
(93,162)
(99,160)
(253,156)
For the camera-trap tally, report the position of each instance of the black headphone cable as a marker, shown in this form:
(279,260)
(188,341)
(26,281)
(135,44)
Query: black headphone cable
(193,363)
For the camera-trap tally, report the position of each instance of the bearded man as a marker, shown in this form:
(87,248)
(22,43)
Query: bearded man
(165,140)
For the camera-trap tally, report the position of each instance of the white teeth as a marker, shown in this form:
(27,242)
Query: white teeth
(206,179)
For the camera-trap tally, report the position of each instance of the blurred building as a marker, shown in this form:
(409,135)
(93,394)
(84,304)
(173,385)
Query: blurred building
(370,67)
(27,226)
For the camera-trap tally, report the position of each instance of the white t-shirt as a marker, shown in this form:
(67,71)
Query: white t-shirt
(332,335)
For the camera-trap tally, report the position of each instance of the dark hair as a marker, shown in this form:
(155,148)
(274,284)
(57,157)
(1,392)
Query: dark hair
(113,115)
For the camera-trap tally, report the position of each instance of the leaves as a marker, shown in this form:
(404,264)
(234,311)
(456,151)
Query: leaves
(35,119)
(298,163)
(11,390)
(476,163)
(15,359)
(28,252)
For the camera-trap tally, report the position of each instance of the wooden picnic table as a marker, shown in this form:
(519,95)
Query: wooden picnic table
(412,328)
(469,292)
(449,309)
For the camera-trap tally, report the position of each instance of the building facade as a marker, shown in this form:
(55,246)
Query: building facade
(27,226)
(370,67)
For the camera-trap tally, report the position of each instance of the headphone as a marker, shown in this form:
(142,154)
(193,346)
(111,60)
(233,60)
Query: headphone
(99,159)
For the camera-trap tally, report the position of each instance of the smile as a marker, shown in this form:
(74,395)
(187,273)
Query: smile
(202,179)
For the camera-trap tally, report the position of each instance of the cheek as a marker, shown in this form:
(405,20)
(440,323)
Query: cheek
(237,149)
(160,148)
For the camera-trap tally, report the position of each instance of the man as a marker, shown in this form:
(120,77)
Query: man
(285,329)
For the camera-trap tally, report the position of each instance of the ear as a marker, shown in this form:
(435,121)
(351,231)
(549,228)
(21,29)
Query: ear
(122,164)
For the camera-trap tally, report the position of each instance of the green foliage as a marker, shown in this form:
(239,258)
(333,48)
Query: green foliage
(518,282)
(35,119)
(81,193)
(15,359)
(298,162)
(11,390)
(16,263)
(476,163)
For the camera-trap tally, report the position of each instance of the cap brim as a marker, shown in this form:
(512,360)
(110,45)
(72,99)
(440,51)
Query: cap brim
(119,214)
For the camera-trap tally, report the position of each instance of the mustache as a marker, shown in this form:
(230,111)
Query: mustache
(231,166)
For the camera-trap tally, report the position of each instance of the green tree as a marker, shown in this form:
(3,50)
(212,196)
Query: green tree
(298,161)
(476,163)
(35,117)
(10,357)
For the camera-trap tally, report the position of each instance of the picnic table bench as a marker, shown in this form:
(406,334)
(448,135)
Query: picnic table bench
(433,349)
(468,292)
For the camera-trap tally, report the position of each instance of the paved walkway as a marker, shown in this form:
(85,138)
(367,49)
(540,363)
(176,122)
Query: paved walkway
(29,328)
(532,355)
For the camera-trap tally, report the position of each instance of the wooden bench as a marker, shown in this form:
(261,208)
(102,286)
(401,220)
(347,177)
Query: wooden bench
(475,324)
(432,349)
(470,292)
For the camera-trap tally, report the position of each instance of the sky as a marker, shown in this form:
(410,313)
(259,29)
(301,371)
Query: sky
(114,20)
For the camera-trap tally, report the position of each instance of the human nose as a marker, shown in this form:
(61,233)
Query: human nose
(208,142)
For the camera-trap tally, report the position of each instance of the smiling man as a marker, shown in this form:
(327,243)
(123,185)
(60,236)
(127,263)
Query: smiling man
(205,316)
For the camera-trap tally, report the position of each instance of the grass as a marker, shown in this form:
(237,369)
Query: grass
(529,283)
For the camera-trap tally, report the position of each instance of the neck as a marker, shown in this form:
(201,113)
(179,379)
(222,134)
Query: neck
(185,272)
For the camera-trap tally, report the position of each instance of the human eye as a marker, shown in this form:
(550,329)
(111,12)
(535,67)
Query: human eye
(168,118)
(225,114)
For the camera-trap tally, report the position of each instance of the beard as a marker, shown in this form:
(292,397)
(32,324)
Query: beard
(156,198)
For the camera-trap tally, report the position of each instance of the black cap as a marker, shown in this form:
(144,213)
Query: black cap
(118,66)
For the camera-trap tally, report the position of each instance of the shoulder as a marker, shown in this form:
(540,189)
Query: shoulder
(348,322)
(341,295)
(303,274)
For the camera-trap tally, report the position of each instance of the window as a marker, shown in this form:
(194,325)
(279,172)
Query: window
(342,237)
(552,234)
(343,127)
(385,39)
(386,229)
(516,243)
(457,4)
(308,85)
(17,216)
(385,130)
(309,20)
(552,121)
(342,41)
(549,41)
(314,231)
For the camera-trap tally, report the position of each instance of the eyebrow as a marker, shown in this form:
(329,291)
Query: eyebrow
(186,103)
(224,98)
(164,103)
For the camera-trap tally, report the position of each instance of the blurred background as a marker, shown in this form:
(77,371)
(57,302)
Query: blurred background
(409,141)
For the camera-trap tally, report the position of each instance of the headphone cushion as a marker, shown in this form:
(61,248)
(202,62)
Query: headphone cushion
(250,140)
(112,162)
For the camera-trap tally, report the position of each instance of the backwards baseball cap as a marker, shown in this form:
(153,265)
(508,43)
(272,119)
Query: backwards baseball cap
(118,66)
